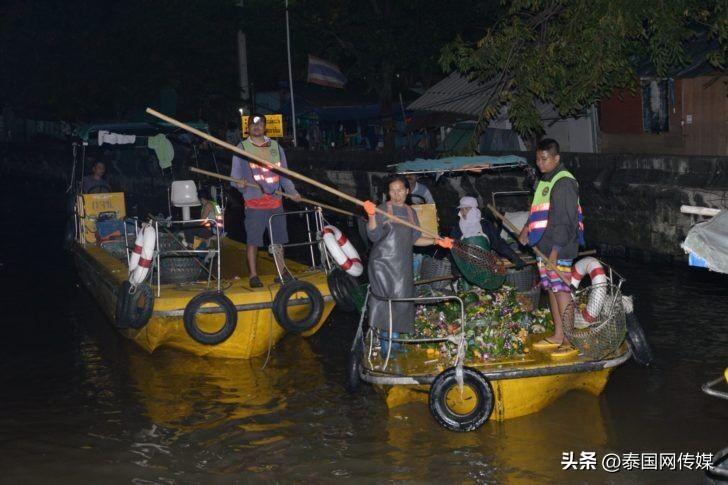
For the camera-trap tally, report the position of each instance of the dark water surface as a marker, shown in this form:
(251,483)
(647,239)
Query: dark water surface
(81,404)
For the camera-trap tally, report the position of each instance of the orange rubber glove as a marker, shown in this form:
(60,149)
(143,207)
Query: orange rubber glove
(369,207)
(446,243)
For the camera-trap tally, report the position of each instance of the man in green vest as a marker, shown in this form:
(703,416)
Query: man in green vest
(261,200)
(555,227)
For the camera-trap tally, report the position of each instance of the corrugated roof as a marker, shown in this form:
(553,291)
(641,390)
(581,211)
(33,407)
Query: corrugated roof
(455,94)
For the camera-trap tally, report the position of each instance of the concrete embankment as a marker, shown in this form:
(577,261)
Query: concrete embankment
(631,202)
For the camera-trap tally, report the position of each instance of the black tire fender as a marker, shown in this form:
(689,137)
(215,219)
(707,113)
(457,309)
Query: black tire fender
(341,286)
(637,341)
(122,300)
(193,308)
(69,234)
(134,306)
(353,365)
(479,387)
(283,297)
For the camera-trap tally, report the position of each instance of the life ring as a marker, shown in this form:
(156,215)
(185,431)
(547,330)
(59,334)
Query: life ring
(136,253)
(637,341)
(193,308)
(283,297)
(139,274)
(465,409)
(342,287)
(343,252)
(134,306)
(599,281)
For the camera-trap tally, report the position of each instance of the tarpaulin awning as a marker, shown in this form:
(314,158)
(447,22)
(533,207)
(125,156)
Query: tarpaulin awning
(709,242)
(459,164)
(85,132)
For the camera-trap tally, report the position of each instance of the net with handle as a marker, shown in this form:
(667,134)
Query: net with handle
(477,264)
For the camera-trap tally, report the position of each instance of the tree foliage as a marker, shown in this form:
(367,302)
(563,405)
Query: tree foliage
(572,53)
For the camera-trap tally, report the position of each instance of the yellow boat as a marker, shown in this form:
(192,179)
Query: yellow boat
(221,316)
(461,395)
(519,386)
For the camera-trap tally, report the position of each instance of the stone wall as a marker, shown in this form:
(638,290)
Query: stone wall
(631,202)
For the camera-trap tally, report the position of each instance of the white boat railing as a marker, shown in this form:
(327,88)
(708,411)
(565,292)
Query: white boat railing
(213,254)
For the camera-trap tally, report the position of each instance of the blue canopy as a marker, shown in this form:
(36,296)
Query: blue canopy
(455,164)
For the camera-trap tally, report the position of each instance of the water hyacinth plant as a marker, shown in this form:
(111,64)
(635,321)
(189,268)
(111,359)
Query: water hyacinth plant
(498,323)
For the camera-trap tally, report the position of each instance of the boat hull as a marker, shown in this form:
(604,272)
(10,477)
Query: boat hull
(514,397)
(256,330)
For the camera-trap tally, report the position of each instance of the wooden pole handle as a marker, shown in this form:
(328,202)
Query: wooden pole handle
(549,264)
(245,183)
(284,170)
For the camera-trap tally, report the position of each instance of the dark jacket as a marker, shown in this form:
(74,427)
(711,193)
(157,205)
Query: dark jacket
(497,244)
(562,231)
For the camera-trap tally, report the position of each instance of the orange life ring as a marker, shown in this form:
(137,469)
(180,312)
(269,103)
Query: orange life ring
(343,252)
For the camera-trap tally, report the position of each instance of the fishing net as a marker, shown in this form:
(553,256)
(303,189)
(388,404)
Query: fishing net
(595,320)
(478,265)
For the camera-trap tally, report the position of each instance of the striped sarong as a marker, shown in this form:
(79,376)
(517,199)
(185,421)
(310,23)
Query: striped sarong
(550,281)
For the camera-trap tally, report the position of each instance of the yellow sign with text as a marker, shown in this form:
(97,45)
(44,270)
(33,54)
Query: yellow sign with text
(273,125)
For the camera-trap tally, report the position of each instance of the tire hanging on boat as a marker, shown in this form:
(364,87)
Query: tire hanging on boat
(342,286)
(465,410)
(133,309)
(70,233)
(193,309)
(282,299)
(353,365)
(637,341)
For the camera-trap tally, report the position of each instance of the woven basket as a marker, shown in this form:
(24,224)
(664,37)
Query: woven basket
(595,321)
(434,268)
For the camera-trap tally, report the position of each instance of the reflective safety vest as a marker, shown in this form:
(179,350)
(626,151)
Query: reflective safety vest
(218,219)
(538,219)
(269,153)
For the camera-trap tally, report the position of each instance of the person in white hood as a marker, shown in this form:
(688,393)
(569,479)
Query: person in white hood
(471,224)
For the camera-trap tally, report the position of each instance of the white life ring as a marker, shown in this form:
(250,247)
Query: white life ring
(137,251)
(343,252)
(599,280)
(139,274)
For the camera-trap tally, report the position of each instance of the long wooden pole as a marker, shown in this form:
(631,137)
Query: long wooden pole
(285,170)
(549,264)
(245,183)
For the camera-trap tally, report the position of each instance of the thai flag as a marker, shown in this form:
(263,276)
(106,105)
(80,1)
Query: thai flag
(325,73)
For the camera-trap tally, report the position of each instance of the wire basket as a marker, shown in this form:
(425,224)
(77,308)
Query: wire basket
(595,321)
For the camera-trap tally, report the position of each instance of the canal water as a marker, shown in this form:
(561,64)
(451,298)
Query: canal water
(81,404)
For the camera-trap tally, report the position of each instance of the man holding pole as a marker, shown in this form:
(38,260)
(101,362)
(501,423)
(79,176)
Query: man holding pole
(261,201)
(556,229)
